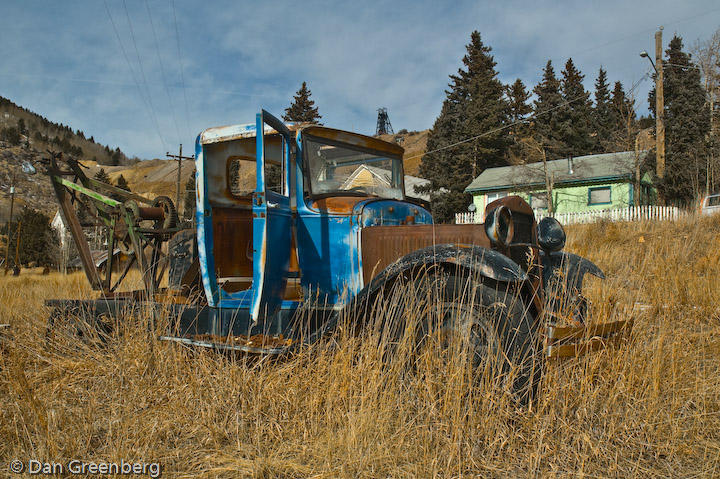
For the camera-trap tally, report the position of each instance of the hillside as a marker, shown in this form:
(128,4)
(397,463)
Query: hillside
(22,127)
(148,178)
(26,136)
(414,143)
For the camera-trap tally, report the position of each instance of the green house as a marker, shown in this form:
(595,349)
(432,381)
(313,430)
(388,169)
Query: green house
(583,183)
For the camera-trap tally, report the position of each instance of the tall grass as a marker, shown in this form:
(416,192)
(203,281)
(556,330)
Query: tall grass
(649,407)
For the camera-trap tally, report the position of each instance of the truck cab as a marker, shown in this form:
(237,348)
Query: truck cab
(280,213)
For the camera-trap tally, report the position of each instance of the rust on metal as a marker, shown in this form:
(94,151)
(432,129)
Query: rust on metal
(514,203)
(571,341)
(383,245)
(338,204)
(221,134)
(232,246)
(356,139)
(151,213)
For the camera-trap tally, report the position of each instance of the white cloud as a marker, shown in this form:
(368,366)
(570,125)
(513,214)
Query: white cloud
(63,60)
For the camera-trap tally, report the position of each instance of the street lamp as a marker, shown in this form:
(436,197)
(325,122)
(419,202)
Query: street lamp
(28,169)
(645,54)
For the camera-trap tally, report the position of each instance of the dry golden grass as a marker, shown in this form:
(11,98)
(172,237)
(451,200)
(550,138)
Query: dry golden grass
(647,408)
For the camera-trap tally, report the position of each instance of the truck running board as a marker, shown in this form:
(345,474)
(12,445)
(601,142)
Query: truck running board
(256,344)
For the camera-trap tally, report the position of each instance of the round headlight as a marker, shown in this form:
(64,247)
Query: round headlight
(499,226)
(550,234)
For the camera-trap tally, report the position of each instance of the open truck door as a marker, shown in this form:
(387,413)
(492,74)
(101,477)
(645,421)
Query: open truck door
(272,222)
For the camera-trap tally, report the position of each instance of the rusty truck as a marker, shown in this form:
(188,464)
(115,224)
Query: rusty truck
(293,216)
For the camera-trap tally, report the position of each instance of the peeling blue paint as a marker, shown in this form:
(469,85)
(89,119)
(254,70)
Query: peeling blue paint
(328,244)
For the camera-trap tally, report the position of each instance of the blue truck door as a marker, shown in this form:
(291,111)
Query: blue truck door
(272,224)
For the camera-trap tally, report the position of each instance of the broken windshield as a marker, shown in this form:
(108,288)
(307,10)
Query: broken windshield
(346,170)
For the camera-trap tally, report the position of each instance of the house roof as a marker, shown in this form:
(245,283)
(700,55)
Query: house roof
(99,258)
(585,169)
(372,175)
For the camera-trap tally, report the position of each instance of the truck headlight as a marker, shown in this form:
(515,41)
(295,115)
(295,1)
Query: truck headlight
(550,234)
(499,226)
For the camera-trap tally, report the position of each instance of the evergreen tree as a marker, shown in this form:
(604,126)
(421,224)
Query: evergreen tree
(474,105)
(622,114)
(189,200)
(575,114)
(546,112)
(687,123)
(602,113)
(518,97)
(21,127)
(122,183)
(303,109)
(37,238)
(11,135)
(103,176)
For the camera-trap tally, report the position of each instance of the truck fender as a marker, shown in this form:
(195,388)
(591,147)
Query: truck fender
(484,261)
(488,263)
(571,267)
(476,259)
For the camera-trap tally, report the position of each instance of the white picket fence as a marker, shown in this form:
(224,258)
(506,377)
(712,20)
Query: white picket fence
(631,213)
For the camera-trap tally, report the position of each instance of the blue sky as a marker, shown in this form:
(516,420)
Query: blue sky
(64,60)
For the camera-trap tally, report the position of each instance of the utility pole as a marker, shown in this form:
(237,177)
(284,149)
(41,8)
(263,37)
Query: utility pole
(9,223)
(16,268)
(179,157)
(659,108)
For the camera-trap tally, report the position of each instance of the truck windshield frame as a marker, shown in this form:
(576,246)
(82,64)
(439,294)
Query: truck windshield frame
(340,169)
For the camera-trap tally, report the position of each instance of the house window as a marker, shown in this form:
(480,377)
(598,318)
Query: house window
(495,196)
(538,201)
(599,196)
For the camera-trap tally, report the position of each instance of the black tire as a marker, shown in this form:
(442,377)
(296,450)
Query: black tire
(488,318)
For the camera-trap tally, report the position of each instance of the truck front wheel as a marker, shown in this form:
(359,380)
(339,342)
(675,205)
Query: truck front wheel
(486,321)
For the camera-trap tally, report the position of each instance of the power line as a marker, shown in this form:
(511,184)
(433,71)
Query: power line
(509,125)
(142,72)
(132,71)
(182,74)
(121,83)
(643,32)
(162,72)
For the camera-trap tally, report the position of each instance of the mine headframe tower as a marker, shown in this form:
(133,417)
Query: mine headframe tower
(383,123)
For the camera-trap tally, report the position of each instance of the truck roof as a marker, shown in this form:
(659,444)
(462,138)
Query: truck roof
(247,130)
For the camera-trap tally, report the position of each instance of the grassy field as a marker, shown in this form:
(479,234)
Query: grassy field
(649,407)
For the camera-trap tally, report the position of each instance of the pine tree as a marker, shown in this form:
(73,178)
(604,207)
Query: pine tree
(37,238)
(575,114)
(474,105)
(303,108)
(189,200)
(122,183)
(602,113)
(623,126)
(103,176)
(518,97)
(546,112)
(21,127)
(687,123)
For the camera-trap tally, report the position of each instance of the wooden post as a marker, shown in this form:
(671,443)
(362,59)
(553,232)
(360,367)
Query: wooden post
(12,204)
(659,109)
(17,244)
(179,157)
